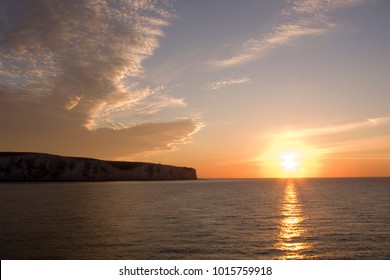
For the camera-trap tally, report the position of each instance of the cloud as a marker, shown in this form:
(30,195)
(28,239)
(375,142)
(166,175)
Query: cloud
(281,35)
(159,102)
(302,18)
(73,102)
(319,7)
(227,82)
(26,127)
(68,67)
(367,138)
(374,147)
(334,129)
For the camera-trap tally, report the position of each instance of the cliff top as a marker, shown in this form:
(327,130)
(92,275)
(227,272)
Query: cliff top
(33,166)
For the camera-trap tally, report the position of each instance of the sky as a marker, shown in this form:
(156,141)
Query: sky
(245,89)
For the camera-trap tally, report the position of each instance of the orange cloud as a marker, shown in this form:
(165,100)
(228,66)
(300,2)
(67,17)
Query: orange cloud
(67,70)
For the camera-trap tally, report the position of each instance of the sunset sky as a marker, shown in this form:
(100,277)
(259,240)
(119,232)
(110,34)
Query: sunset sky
(251,88)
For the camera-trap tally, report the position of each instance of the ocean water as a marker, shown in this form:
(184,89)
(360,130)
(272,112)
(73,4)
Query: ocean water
(204,219)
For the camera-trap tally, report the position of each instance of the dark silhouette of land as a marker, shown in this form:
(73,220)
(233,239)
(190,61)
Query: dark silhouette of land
(28,166)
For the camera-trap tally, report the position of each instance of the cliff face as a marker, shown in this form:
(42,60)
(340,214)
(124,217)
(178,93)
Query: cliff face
(45,167)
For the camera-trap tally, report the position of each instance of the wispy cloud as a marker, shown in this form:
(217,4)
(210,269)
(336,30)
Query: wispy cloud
(368,148)
(281,35)
(158,103)
(303,18)
(367,138)
(227,82)
(319,7)
(334,129)
(68,67)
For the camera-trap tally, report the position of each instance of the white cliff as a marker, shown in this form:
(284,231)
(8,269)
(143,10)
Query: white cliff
(46,167)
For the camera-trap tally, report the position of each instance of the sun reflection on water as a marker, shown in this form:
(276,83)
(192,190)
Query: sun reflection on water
(291,232)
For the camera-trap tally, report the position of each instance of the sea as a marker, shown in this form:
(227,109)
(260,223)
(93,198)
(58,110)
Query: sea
(243,219)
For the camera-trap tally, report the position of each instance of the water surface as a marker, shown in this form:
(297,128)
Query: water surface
(205,219)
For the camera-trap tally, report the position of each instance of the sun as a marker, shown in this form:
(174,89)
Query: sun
(290,161)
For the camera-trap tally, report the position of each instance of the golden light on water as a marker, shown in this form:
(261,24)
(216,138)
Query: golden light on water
(291,231)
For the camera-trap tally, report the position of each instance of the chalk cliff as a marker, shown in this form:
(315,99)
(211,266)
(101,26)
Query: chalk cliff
(15,166)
